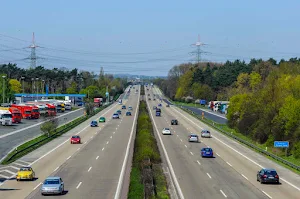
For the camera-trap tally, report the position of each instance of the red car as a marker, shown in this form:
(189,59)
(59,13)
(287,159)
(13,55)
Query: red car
(75,139)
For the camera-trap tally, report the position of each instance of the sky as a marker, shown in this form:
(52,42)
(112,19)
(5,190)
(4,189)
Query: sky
(146,37)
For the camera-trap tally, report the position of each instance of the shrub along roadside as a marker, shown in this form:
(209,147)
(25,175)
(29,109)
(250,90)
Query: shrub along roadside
(146,178)
(41,140)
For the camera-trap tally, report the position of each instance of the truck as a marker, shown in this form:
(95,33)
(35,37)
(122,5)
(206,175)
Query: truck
(16,113)
(5,117)
(158,112)
(98,102)
(25,110)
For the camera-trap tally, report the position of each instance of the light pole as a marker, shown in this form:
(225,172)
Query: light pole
(22,98)
(37,88)
(43,85)
(3,97)
(32,91)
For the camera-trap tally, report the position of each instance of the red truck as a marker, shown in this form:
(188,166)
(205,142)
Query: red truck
(16,114)
(25,110)
(35,113)
(51,109)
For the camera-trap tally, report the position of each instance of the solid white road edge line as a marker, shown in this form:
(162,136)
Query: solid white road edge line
(78,185)
(244,176)
(121,177)
(56,168)
(37,186)
(267,194)
(69,157)
(223,193)
(238,151)
(167,157)
(229,164)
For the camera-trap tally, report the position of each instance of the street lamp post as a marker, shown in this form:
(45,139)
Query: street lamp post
(37,88)
(23,91)
(32,91)
(3,97)
(43,85)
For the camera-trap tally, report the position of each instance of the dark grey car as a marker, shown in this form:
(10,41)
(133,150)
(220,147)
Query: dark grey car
(267,175)
(52,185)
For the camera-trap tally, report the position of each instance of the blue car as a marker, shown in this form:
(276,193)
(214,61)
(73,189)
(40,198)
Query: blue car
(207,152)
(159,105)
(52,185)
(128,113)
(157,114)
(94,123)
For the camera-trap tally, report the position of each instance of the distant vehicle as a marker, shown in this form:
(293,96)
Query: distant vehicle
(205,134)
(149,98)
(158,110)
(94,123)
(167,105)
(128,113)
(119,112)
(123,107)
(80,104)
(174,122)
(153,99)
(5,117)
(75,139)
(15,112)
(115,116)
(52,185)
(120,101)
(207,152)
(25,173)
(102,119)
(159,105)
(267,175)
(148,94)
(154,107)
(166,131)
(193,138)
(157,114)
(130,108)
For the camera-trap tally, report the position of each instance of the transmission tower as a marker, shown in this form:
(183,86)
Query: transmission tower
(198,50)
(33,57)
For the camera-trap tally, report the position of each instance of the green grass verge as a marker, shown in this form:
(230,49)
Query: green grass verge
(188,104)
(37,142)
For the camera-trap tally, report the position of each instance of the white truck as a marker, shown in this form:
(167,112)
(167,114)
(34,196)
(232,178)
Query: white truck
(5,117)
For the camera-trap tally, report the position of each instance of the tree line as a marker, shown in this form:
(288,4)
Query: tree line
(59,80)
(264,95)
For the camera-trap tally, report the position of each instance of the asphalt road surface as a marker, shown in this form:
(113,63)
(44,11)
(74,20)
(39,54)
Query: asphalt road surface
(230,174)
(93,169)
(12,136)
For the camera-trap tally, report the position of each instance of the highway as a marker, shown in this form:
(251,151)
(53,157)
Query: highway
(97,168)
(12,136)
(231,174)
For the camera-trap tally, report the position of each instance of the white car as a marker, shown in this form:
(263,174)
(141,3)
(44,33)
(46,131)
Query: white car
(130,108)
(166,131)
(205,134)
(193,138)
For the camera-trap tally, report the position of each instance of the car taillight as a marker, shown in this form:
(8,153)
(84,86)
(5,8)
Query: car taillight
(264,176)
(276,176)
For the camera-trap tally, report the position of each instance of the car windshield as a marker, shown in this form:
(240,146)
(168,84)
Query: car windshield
(7,116)
(194,135)
(268,172)
(102,118)
(35,110)
(205,131)
(207,149)
(167,129)
(25,169)
(51,182)
(75,136)
(27,112)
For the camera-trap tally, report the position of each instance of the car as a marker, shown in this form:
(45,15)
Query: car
(130,108)
(102,119)
(123,107)
(205,134)
(267,175)
(148,94)
(154,107)
(25,173)
(193,138)
(149,98)
(168,105)
(159,105)
(75,139)
(52,185)
(119,112)
(166,131)
(157,114)
(153,99)
(115,116)
(94,123)
(207,152)
(174,122)
(128,113)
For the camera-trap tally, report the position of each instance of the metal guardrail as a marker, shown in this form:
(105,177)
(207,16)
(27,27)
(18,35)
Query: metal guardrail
(294,166)
(67,127)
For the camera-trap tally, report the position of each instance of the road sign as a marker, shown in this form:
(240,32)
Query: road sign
(281,144)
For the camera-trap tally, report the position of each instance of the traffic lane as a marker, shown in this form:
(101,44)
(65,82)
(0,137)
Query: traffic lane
(208,115)
(244,167)
(95,170)
(12,141)
(217,170)
(54,158)
(28,122)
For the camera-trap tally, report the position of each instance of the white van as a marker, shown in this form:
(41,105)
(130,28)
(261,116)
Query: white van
(5,117)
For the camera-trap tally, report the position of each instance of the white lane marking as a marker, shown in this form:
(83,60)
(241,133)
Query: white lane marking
(23,161)
(37,186)
(22,165)
(167,157)
(191,153)
(102,148)
(208,175)
(96,132)
(85,142)
(8,171)
(218,155)
(78,149)
(37,124)
(122,173)
(56,168)
(267,194)
(181,140)
(177,135)
(78,185)
(69,157)
(198,162)
(185,146)
(223,193)
(116,128)
(92,137)
(237,151)
(244,176)
(107,142)
(97,157)
(89,169)
(114,132)
(4,176)
(229,164)
(110,137)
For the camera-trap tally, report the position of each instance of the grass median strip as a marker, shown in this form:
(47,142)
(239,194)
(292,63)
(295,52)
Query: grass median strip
(41,140)
(147,179)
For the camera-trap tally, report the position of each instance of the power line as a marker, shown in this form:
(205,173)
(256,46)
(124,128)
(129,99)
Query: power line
(198,50)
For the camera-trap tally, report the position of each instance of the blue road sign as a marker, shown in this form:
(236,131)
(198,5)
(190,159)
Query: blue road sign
(107,93)
(281,144)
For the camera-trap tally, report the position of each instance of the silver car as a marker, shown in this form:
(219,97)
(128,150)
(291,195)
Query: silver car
(52,185)
(193,138)
(130,108)
(205,134)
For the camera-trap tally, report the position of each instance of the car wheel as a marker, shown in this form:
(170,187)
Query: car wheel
(261,182)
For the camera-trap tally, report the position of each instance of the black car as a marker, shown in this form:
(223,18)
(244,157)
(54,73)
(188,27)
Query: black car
(267,175)
(174,122)
(167,105)
(149,98)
